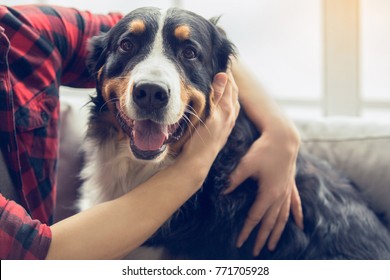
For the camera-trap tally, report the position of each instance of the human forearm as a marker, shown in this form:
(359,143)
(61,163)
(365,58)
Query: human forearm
(113,229)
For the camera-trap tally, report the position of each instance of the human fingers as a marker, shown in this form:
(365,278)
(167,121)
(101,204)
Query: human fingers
(267,224)
(280,224)
(231,89)
(255,215)
(233,84)
(271,221)
(243,171)
(216,129)
(227,104)
(218,85)
(296,207)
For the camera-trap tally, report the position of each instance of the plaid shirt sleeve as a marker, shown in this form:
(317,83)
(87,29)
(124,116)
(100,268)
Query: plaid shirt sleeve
(69,31)
(20,236)
(41,47)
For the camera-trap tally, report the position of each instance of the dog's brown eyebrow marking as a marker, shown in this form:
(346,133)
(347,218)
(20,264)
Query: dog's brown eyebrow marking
(182,32)
(137,26)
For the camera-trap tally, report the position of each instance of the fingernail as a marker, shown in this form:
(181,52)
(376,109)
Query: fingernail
(271,247)
(220,79)
(239,243)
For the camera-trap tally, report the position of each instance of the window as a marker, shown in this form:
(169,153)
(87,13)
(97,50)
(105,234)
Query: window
(280,41)
(375,57)
(316,57)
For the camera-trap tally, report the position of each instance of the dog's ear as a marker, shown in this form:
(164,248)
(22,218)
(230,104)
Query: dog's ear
(223,48)
(98,51)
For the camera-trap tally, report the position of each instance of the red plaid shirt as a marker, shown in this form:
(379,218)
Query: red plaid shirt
(41,48)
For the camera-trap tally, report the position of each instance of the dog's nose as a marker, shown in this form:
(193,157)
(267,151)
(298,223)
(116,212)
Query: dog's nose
(150,96)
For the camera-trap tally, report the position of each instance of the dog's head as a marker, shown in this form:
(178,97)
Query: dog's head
(154,72)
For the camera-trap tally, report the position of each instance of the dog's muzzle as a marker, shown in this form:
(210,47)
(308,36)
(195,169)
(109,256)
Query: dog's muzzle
(148,137)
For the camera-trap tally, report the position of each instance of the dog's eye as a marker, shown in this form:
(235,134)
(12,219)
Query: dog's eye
(189,53)
(126,45)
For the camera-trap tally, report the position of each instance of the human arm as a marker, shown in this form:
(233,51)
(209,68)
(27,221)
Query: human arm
(112,229)
(270,160)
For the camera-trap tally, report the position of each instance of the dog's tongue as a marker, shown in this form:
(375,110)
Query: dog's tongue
(149,136)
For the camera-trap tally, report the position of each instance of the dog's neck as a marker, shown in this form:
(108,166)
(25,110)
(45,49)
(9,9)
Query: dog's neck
(112,166)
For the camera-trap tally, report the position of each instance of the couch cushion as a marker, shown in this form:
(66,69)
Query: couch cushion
(72,127)
(358,148)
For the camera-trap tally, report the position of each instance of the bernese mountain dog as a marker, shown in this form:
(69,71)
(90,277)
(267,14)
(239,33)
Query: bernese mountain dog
(154,71)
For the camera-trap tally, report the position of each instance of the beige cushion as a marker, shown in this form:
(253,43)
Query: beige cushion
(358,148)
(72,128)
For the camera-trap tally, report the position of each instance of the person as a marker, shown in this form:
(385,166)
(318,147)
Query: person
(43,47)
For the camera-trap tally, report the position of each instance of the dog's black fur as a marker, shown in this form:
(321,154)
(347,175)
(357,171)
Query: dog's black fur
(337,222)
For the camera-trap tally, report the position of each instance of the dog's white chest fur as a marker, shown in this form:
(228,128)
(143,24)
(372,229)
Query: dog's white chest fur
(112,171)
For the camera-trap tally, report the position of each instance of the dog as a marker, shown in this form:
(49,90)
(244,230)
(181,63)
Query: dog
(153,72)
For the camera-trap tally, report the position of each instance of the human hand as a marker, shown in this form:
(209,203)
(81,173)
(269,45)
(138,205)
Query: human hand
(271,160)
(209,138)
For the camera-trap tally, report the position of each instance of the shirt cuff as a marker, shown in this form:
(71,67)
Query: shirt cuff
(21,237)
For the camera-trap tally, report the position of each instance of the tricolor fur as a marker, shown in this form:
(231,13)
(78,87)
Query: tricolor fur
(154,72)
(168,53)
